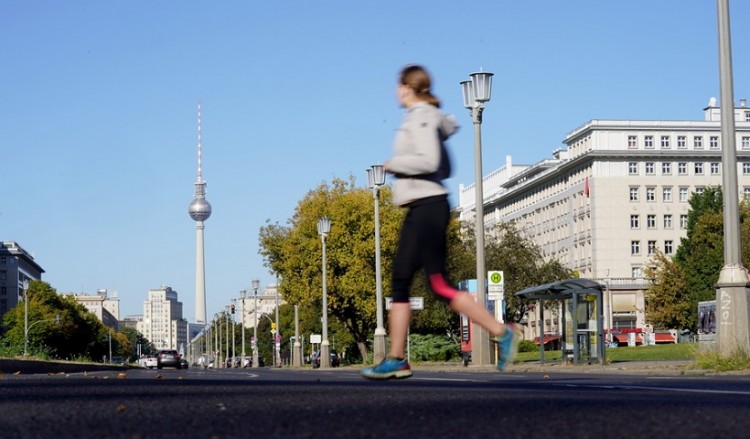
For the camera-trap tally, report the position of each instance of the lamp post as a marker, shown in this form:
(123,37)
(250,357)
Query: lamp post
(297,357)
(376,179)
(243,293)
(732,292)
(234,343)
(324,227)
(227,359)
(218,341)
(277,334)
(476,92)
(25,317)
(255,284)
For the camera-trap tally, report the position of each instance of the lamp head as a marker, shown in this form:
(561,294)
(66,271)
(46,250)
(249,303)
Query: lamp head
(324,226)
(482,82)
(378,175)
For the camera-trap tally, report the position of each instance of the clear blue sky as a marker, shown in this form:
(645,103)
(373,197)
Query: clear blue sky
(98,114)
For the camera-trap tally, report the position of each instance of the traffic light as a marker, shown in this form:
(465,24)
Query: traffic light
(233,308)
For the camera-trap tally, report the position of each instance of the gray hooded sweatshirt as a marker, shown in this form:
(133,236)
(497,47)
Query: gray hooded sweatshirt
(418,151)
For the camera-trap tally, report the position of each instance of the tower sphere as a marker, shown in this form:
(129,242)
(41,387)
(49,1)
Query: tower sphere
(200,209)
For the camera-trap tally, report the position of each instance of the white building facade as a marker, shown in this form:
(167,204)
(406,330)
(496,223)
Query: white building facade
(614,194)
(162,322)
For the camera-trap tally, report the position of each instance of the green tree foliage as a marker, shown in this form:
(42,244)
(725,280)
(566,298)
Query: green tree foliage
(135,339)
(294,252)
(697,262)
(523,265)
(79,335)
(668,304)
(700,255)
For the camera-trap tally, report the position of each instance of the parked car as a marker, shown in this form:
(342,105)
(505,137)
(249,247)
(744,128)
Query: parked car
(118,360)
(168,358)
(149,362)
(335,360)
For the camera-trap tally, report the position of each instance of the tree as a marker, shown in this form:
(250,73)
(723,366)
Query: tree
(668,303)
(79,335)
(523,265)
(294,252)
(700,255)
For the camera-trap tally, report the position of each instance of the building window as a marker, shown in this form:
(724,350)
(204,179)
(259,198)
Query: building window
(650,194)
(633,194)
(746,192)
(650,168)
(3,291)
(667,221)
(682,168)
(648,142)
(651,247)
(637,272)
(635,248)
(713,142)
(665,142)
(698,168)
(666,168)
(632,142)
(651,221)
(668,247)
(633,168)
(714,168)
(699,189)
(698,142)
(635,221)
(747,116)
(3,275)
(745,168)
(666,194)
(681,142)
(684,194)
(683,221)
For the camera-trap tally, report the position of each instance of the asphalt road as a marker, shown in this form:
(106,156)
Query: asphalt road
(435,403)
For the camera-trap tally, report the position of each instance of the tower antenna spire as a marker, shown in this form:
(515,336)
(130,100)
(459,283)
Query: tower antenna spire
(200,210)
(200,146)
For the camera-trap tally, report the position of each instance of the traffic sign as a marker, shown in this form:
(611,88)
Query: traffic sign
(415,302)
(495,285)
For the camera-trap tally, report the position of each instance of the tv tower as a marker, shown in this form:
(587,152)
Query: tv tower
(200,210)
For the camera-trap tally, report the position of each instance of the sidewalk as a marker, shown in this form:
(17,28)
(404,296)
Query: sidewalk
(14,366)
(664,368)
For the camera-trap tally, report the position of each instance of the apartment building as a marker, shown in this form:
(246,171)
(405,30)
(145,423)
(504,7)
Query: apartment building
(16,266)
(162,322)
(615,193)
(106,309)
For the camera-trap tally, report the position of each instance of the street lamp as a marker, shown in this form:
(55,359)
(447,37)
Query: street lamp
(376,179)
(25,317)
(234,343)
(218,341)
(243,293)
(255,284)
(297,357)
(476,92)
(324,227)
(228,360)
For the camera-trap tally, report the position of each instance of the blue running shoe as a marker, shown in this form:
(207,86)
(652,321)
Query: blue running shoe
(508,345)
(388,368)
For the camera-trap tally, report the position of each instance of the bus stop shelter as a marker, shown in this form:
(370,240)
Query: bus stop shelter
(582,317)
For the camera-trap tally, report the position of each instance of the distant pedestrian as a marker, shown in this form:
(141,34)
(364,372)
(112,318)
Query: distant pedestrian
(420,163)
